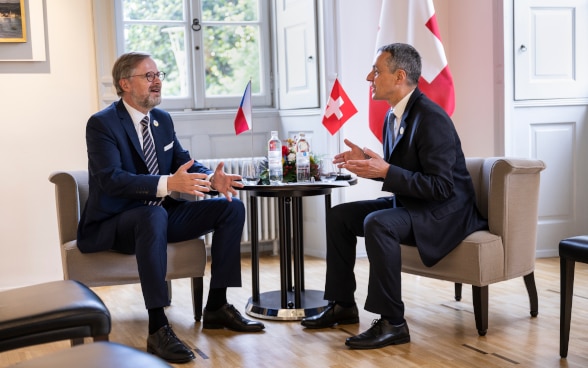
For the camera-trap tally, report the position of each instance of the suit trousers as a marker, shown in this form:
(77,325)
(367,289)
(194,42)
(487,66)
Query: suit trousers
(384,228)
(146,230)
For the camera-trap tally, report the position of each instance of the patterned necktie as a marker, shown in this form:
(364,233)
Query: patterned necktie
(149,153)
(395,121)
(391,131)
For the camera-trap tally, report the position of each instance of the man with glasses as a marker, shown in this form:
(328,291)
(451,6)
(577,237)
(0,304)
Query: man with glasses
(433,206)
(134,161)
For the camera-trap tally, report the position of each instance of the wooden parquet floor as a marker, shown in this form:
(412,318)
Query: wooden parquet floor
(443,332)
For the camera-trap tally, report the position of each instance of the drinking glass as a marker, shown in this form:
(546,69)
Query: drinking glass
(327,170)
(250,172)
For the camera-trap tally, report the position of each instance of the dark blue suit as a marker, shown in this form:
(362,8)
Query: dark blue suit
(116,216)
(435,209)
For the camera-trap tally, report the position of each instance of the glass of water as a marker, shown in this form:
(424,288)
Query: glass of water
(250,172)
(327,170)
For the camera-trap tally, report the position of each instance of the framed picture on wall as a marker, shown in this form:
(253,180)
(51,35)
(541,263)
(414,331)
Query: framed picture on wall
(12,21)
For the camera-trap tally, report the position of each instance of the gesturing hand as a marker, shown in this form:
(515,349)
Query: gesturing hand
(356,153)
(225,183)
(370,166)
(189,183)
(364,163)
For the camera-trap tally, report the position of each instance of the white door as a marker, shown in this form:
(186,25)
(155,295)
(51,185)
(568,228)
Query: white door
(297,54)
(551,52)
(550,116)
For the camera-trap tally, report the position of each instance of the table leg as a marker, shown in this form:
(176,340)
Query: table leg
(298,254)
(288,239)
(284,244)
(254,249)
(301,232)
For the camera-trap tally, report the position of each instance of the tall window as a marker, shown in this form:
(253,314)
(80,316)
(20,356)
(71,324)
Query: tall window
(209,49)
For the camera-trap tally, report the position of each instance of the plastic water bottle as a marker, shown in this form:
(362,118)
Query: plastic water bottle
(274,157)
(302,159)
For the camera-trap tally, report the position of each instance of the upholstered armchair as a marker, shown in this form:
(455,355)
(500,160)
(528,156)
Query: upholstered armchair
(185,259)
(507,192)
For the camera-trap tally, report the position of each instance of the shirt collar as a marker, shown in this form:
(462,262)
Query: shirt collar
(136,115)
(398,110)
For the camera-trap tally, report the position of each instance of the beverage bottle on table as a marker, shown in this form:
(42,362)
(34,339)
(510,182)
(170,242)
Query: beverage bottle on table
(302,159)
(274,157)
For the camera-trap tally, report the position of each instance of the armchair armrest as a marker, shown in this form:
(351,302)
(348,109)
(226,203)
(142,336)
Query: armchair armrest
(513,197)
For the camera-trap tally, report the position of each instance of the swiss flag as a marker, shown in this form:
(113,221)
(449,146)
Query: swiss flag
(243,118)
(414,22)
(339,109)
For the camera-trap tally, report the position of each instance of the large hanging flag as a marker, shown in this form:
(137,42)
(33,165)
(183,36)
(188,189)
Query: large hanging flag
(243,118)
(414,22)
(339,109)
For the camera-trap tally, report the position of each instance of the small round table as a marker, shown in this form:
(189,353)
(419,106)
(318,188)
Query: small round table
(292,301)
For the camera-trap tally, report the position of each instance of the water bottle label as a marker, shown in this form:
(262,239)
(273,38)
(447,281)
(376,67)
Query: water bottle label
(303,146)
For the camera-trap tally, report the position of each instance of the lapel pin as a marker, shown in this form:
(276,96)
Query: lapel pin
(401,130)
(156,123)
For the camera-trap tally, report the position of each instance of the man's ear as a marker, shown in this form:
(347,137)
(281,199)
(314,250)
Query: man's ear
(124,84)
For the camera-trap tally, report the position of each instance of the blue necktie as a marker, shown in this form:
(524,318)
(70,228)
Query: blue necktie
(395,125)
(150,155)
(391,131)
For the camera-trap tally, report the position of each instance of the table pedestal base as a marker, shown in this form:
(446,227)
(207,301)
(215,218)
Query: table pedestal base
(270,306)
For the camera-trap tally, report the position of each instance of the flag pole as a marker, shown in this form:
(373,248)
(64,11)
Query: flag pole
(338,131)
(251,120)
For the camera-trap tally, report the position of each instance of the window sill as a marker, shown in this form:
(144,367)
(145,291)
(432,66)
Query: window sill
(207,115)
(202,115)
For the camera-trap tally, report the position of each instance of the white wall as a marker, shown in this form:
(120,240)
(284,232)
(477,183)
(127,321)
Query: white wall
(468,31)
(44,116)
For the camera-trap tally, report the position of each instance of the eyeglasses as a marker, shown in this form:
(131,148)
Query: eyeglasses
(150,76)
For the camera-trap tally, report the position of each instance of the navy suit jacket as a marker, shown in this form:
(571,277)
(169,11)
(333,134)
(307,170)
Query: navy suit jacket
(118,175)
(429,178)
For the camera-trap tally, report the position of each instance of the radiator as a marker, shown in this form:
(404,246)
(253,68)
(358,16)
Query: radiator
(266,207)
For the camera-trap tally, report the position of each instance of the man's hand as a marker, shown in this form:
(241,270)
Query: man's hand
(356,153)
(190,183)
(225,183)
(370,165)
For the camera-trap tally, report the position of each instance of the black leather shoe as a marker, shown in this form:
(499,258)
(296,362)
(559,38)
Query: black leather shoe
(381,334)
(332,315)
(165,344)
(229,317)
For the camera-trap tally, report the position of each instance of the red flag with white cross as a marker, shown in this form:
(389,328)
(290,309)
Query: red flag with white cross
(339,109)
(414,22)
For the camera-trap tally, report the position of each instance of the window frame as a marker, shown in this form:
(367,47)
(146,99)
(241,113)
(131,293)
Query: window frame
(196,86)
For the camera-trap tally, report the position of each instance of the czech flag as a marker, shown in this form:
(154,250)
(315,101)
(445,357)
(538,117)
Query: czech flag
(243,118)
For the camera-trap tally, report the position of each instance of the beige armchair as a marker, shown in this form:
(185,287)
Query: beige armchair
(507,192)
(184,259)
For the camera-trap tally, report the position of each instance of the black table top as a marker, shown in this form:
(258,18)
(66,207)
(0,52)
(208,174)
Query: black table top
(297,189)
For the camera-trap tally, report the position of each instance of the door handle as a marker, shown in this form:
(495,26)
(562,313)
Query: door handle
(196,25)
